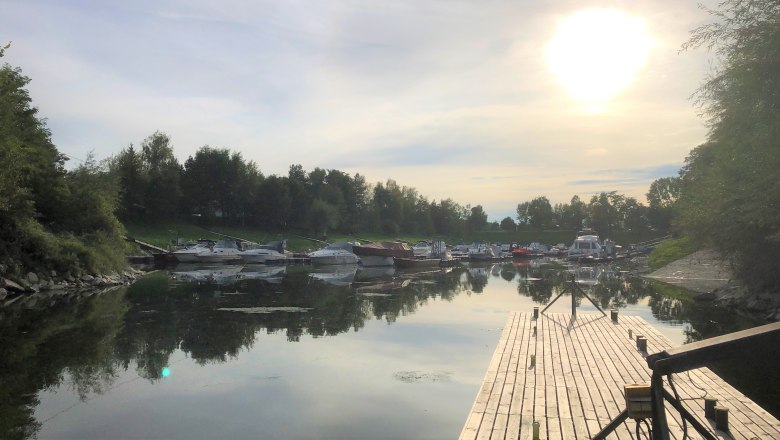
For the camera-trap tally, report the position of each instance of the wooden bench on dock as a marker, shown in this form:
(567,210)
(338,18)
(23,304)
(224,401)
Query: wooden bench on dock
(568,375)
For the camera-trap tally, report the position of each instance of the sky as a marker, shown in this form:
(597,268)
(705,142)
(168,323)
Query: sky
(490,102)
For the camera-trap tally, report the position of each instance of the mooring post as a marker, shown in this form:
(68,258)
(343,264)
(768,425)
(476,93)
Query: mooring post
(573,297)
(709,407)
(614,315)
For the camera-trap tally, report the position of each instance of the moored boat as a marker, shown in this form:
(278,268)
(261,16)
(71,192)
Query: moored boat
(189,253)
(273,251)
(382,254)
(334,253)
(222,252)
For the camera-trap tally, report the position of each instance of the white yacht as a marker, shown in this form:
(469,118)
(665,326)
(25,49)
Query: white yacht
(585,246)
(222,252)
(273,251)
(422,249)
(189,254)
(335,253)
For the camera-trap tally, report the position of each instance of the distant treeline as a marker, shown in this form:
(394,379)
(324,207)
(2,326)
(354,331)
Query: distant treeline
(219,186)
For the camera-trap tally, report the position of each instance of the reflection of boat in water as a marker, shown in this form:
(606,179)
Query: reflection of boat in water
(273,251)
(271,274)
(342,275)
(382,254)
(218,275)
(334,253)
(370,273)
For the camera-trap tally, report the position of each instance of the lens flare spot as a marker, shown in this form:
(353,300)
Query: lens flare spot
(166,372)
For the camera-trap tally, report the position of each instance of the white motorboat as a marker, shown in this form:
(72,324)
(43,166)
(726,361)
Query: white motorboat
(189,254)
(422,249)
(481,251)
(222,252)
(335,253)
(273,251)
(585,246)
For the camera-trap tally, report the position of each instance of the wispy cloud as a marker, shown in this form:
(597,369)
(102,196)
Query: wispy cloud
(453,98)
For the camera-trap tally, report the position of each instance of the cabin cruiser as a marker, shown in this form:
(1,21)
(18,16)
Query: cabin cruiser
(335,253)
(223,251)
(422,249)
(189,253)
(273,251)
(585,246)
(382,254)
(481,251)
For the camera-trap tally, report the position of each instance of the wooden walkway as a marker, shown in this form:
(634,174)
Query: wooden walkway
(576,386)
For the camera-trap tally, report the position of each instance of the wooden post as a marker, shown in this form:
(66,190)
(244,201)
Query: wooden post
(641,343)
(722,418)
(614,314)
(709,407)
(536,312)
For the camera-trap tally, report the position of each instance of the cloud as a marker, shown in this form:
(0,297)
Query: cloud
(452,98)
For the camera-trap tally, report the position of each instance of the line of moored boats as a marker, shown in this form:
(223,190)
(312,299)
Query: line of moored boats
(586,246)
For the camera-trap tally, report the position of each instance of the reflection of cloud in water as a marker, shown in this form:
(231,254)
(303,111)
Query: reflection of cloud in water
(371,294)
(419,376)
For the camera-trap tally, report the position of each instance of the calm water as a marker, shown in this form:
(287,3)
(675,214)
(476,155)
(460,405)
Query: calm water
(290,352)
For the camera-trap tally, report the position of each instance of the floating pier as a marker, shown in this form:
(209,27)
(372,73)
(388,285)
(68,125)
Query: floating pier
(568,375)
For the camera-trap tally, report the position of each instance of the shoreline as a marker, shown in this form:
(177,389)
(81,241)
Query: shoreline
(34,284)
(709,278)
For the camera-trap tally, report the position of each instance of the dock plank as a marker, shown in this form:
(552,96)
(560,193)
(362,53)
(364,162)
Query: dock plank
(576,385)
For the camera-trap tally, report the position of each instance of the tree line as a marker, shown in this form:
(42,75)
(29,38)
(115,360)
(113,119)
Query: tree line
(216,185)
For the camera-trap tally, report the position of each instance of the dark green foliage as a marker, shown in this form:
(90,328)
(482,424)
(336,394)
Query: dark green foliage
(50,218)
(730,193)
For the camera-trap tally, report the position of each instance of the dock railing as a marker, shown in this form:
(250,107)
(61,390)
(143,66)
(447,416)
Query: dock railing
(688,357)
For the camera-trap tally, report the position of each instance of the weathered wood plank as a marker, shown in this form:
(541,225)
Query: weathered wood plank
(576,386)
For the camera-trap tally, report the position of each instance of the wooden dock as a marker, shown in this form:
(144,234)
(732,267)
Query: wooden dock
(575,387)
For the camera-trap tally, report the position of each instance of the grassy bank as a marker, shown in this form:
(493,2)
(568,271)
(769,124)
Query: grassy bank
(671,250)
(164,234)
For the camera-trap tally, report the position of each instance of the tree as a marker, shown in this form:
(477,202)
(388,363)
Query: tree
(507,224)
(661,197)
(729,193)
(163,173)
(477,219)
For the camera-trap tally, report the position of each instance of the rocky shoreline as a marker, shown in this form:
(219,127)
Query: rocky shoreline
(710,279)
(15,287)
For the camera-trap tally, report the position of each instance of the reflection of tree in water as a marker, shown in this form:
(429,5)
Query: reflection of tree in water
(62,340)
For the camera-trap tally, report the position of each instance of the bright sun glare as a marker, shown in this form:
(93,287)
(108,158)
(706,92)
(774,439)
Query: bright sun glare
(597,52)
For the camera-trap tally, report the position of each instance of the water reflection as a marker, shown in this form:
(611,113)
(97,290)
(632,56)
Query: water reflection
(212,314)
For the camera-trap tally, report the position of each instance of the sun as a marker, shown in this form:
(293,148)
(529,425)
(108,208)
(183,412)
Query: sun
(597,52)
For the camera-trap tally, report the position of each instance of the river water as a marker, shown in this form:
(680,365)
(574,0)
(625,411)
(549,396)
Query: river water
(297,352)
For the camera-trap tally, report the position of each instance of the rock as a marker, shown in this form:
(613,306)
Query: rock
(87,278)
(708,296)
(69,277)
(3,294)
(54,274)
(12,286)
(32,277)
(2,268)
